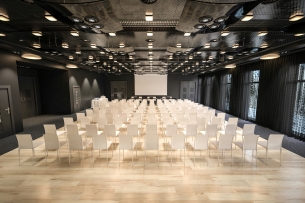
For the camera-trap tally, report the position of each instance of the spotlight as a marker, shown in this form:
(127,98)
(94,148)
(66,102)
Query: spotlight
(247,17)
(225,33)
(178,45)
(50,17)
(296,17)
(149,17)
(74,33)
(262,33)
(37,33)
(112,34)
(150,33)
(186,34)
(36,45)
(4,17)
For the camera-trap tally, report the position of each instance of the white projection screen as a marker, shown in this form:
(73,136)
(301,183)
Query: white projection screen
(151,84)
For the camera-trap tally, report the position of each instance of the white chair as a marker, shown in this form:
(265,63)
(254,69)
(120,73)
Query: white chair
(76,142)
(171,130)
(182,123)
(190,131)
(200,124)
(222,116)
(274,142)
(151,129)
(117,121)
(249,143)
(151,143)
(248,129)
(68,121)
(232,121)
(51,129)
(25,141)
(177,142)
(193,118)
(126,142)
(101,122)
(224,143)
(91,130)
(89,112)
(83,122)
(79,116)
(73,130)
(216,121)
(99,142)
(201,142)
(132,129)
(111,132)
(52,143)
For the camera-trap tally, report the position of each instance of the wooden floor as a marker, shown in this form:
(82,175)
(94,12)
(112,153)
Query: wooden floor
(83,182)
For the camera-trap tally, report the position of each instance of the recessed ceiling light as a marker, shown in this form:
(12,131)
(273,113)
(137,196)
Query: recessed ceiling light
(78,52)
(210,57)
(110,57)
(84,26)
(214,26)
(220,19)
(186,61)
(121,45)
(71,66)
(225,33)
(37,33)
(76,19)
(71,57)
(230,66)
(186,34)
(149,17)
(4,17)
(50,18)
(150,58)
(296,17)
(90,57)
(235,46)
(207,45)
(85,40)
(205,19)
(74,33)
(97,26)
(91,19)
(31,56)
(150,45)
(112,34)
(65,45)
(198,52)
(222,52)
(93,46)
(262,33)
(298,34)
(264,45)
(150,52)
(230,57)
(270,56)
(178,45)
(247,17)
(102,52)
(170,57)
(150,33)
(190,57)
(200,26)
(130,57)
(3,34)
(36,45)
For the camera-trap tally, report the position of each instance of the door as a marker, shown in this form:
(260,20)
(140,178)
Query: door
(118,90)
(188,90)
(5,114)
(27,97)
(76,98)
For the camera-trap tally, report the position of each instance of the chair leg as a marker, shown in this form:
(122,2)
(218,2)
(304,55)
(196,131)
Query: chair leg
(256,158)
(194,157)
(119,156)
(58,157)
(231,157)
(158,157)
(171,157)
(33,156)
(93,157)
(218,156)
(267,157)
(19,155)
(45,157)
(281,156)
(145,158)
(132,157)
(69,156)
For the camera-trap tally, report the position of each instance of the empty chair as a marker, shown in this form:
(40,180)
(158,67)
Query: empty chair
(77,143)
(111,132)
(94,117)
(99,142)
(193,118)
(274,142)
(151,143)
(224,143)
(216,121)
(91,130)
(51,129)
(183,122)
(95,109)
(170,130)
(212,112)
(177,142)
(222,116)
(151,129)
(190,131)
(83,122)
(200,124)
(101,122)
(52,143)
(117,121)
(247,130)
(152,120)
(89,112)
(232,121)
(68,121)
(123,117)
(249,143)
(230,130)
(126,142)
(79,116)
(25,141)
(132,129)
(72,129)
(201,142)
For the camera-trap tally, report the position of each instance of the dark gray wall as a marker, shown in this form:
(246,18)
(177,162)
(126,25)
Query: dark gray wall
(173,84)
(91,85)
(129,78)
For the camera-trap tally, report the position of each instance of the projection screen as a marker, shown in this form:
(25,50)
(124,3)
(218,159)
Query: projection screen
(151,84)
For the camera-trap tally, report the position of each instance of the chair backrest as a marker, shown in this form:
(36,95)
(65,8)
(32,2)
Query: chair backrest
(191,130)
(51,141)
(151,141)
(99,141)
(151,129)
(222,116)
(25,141)
(75,142)
(135,120)
(248,129)
(49,129)
(84,121)
(201,141)
(132,129)
(225,141)
(91,129)
(68,121)
(126,141)
(232,121)
(211,130)
(212,112)
(171,129)
(152,120)
(250,142)
(216,121)
(193,117)
(72,129)
(123,117)
(79,116)
(117,121)
(183,121)
(275,141)
(168,120)
(101,122)
(230,129)
(110,130)
(178,141)
(89,112)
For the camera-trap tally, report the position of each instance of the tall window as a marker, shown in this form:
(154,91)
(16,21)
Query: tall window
(253,94)
(228,92)
(298,126)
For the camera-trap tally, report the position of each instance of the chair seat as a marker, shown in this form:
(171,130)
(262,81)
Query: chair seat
(240,132)
(81,132)
(37,143)
(86,143)
(263,143)
(221,132)
(239,144)
(58,132)
(62,143)
(99,132)
(108,144)
(215,143)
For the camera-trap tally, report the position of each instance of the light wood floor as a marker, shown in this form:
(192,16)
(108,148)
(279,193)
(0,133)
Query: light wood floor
(83,182)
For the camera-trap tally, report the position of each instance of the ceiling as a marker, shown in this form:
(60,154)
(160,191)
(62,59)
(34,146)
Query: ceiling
(171,19)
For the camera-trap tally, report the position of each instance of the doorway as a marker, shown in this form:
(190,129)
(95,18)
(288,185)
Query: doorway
(6,127)
(188,90)
(27,91)
(118,90)
(77,98)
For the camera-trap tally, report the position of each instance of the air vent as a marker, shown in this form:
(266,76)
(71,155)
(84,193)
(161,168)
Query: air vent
(269,1)
(148,1)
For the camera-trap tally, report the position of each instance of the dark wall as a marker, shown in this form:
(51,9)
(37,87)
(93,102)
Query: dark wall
(91,85)
(174,81)
(129,78)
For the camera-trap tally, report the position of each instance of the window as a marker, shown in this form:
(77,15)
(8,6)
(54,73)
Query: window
(253,94)
(228,92)
(298,126)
